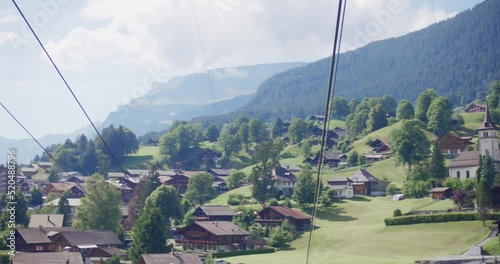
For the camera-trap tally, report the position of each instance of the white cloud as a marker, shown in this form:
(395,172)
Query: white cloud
(8,16)
(7,37)
(163,34)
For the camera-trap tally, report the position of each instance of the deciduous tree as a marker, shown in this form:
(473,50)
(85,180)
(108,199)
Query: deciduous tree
(199,189)
(305,190)
(405,110)
(423,102)
(149,234)
(409,144)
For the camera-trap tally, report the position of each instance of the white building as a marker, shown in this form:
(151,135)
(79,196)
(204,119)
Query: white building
(465,165)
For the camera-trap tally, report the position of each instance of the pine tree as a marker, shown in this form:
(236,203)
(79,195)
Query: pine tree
(488,169)
(483,199)
(437,167)
(149,234)
(64,209)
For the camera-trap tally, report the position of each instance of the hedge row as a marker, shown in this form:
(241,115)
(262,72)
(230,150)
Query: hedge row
(243,252)
(436,218)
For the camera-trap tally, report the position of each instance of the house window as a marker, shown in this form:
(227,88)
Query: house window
(467,174)
(458,175)
(485,134)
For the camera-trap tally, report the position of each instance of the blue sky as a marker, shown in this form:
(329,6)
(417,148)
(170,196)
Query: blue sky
(111,51)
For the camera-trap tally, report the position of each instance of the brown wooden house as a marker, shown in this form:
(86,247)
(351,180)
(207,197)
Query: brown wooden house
(275,215)
(453,145)
(214,213)
(59,188)
(441,193)
(179,181)
(473,108)
(212,236)
(76,239)
(330,158)
(36,239)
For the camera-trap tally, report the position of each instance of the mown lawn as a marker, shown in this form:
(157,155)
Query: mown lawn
(353,231)
(440,205)
(145,156)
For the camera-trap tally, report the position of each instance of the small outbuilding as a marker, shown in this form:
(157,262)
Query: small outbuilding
(441,193)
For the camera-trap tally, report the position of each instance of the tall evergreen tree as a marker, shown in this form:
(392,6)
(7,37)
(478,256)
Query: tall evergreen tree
(277,128)
(64,209)
(437,167)
(483,200)
(149,234)
(267,158)
(488,169)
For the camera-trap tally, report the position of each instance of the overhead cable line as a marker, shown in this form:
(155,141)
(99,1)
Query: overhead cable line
(26,130)
(331,88)
(205,61)
(69,88)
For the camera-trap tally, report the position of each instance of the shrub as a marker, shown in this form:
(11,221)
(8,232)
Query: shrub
(397,213)
(436,218)
(273,202)
(235,199)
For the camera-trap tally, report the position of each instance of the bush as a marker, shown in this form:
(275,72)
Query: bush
(436,218)
(243,252)
(273,202)
(279,238)
(288,203)
(235,199)
(397,213)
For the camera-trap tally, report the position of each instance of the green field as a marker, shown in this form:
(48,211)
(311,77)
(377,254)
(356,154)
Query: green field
(439,205)
(353,232)
(145,156)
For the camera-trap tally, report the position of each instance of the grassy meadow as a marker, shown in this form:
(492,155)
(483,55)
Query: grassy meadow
(353,231)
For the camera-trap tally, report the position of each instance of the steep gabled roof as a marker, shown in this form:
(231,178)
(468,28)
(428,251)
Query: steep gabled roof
(46,220)
(465,159)
(288,212)
(37,235)
(186,258)
(221,228)
(363,175)
(47,258)
(217,210)
(99,238)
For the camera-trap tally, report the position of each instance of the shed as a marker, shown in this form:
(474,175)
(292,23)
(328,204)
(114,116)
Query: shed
(441,193)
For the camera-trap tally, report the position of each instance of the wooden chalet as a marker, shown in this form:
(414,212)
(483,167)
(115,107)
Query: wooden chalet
(174,258)
(178,180)
(319,118)
(212,236)
(381,146)
(76,179)
(453,145)
(84,240)
(441,193)
(343,186)
(153,142)
(125,191)
(210,154)
(59,188)
(107,253)
(214,213)
(284,179)
(29,171)
(275,215)
(36,239)
(219,174)
(331,159)
(364,183)
(48,257)
(473,108)
(44,165)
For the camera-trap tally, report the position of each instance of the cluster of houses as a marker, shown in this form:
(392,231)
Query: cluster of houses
(212,231)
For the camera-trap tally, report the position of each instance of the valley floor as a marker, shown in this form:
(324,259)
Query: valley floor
(353,231)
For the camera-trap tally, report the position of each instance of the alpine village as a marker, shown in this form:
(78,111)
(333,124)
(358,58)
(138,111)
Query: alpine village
(400,172)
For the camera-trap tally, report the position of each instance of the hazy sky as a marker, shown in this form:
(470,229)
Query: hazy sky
(111,50)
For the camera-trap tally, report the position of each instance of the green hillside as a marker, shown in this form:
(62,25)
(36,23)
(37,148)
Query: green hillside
(353,231)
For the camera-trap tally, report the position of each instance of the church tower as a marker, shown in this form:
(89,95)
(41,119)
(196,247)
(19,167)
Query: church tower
(488,137)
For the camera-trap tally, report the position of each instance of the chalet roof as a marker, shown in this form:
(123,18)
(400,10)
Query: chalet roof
(339,181)
(116,175)
(330,155)
(221,172)
(99,238)
(291,167)
(379,141)
(120,186)
(217,210)
(288,212)
(363,175)
(73,202)
(70,173)
(37,235)
(44,163)
(488,122)
(76,179)
(114,251)
(48,258)
(439,189)
(222,228)
(465,159)
(62,186)
(46,220)
(28,169)
(466,139)
(186,258)
(283,175)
